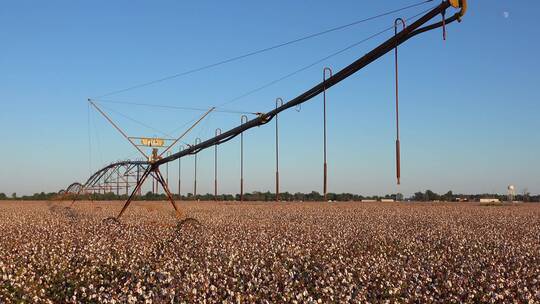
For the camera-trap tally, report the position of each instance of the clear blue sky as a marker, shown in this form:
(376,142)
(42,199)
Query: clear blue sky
(469,106)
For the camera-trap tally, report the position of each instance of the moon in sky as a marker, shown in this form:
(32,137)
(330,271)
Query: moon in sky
(506,14)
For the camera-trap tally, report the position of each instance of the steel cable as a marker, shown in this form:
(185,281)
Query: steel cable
(236,58)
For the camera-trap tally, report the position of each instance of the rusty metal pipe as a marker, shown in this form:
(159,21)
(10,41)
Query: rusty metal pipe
(197,140)
(218,131)
(167,169)
(279,103)
(117,181)
(180,148)
(243,120)
(127,181)
(325,166)
(398,156)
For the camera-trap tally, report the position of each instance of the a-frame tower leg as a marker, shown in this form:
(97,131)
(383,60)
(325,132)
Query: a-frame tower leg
(165,186)
(140,182)
(157,175)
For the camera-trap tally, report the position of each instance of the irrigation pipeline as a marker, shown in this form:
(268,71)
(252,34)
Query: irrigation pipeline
(408,32)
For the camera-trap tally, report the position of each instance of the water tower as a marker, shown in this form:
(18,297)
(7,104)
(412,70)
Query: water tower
(511,194)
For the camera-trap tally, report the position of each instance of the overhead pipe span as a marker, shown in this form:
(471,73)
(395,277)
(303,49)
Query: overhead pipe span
(408,32)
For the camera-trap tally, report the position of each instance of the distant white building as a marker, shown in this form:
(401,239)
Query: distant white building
(489,200)
(368,201)
(387,200)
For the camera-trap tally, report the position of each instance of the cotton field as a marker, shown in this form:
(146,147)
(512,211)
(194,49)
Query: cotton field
(269,253)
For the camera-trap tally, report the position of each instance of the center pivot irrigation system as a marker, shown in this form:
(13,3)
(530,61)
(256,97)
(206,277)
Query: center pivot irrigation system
(118,174)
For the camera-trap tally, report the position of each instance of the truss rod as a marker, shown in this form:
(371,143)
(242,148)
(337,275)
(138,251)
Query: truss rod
(116,127)
(187,131)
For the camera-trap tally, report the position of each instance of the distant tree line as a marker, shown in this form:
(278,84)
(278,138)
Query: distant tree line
(428,195)
(149,196)
(35,197)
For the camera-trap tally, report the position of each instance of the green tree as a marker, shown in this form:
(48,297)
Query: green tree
(298,196)
(418,196)
(448,196)
(431,196)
